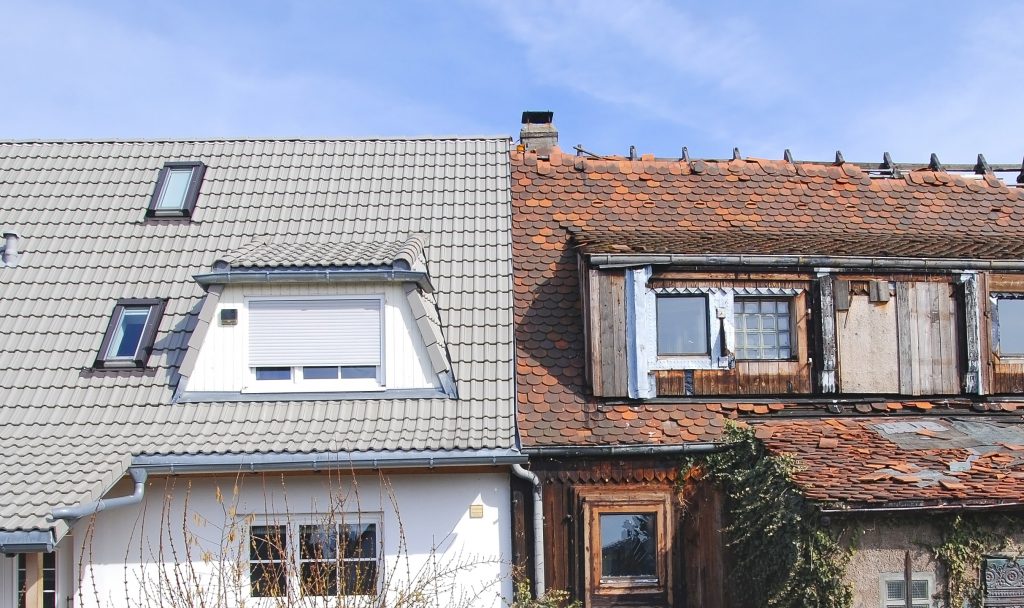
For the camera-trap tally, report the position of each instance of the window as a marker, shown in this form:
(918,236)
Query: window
(628,551)
(328,560)
(130,334)
(763,328)
(1010,332)
(894,590)
(628,542)
(682,325)
(49,579)
(177,189)
(315,344)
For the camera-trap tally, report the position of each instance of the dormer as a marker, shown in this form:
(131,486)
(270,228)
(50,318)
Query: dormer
(314,320)
(720,313)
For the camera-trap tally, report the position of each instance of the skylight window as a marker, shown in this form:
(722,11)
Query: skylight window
(177,189)
(130,334)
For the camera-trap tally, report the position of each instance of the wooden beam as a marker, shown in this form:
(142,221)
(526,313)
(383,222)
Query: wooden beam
(972,318)
(827,380)
(33,580)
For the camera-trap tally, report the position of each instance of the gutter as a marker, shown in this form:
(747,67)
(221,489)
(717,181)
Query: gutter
(320,461)
(811,261)
(223,277)
(72,514)
(924,508)
(538,527)
(26,541)
(629,450)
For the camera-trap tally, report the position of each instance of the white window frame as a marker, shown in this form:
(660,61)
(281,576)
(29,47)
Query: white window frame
(296,383)
(292,524)
(885,602)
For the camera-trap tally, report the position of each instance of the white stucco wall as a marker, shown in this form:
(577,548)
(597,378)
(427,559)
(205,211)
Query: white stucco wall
(222,364)
(190,535)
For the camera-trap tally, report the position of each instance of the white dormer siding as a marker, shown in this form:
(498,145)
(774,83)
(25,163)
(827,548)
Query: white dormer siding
(223,362)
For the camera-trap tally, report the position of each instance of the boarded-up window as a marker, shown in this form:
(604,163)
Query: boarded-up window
(906,344)
(606,308)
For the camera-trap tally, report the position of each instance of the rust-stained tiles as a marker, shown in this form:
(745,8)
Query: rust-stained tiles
(615,205)
(902,462)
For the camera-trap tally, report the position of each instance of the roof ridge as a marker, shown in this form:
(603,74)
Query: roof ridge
(172,140)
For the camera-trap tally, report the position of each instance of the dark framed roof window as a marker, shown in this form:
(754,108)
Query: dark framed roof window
(130,334)
(177,189)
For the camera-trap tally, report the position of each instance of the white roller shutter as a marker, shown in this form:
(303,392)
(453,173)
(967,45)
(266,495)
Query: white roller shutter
(285,333)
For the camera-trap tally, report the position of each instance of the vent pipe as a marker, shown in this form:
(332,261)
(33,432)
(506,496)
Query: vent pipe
(10,254)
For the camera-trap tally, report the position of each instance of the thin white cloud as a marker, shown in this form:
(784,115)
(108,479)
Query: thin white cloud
(970,103)
(647,54)
(84,73)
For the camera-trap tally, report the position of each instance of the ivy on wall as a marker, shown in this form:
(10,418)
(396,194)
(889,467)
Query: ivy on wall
(966,539)
(781,555)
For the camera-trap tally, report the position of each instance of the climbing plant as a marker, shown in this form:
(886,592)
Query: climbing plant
(781,554)
(966,539)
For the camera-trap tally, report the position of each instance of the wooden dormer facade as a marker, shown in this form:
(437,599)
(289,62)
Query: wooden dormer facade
(656,299)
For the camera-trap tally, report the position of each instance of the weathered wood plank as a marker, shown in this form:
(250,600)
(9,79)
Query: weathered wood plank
(829,356)
(905,341)
(867,346)
(608,334)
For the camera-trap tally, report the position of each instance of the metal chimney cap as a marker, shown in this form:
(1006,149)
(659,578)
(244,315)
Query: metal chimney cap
(538,117)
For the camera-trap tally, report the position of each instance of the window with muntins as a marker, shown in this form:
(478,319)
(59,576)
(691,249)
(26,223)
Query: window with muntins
(763,327)
(177,189)
(315,344)
(130,334)
(894,591)
(49,579)
(333,559)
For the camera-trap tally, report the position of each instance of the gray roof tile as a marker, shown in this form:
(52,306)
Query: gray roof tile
(68,432)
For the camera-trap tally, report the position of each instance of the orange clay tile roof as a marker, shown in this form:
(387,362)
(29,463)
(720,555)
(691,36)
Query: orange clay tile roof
(893,462)
(795,243)
(551,197)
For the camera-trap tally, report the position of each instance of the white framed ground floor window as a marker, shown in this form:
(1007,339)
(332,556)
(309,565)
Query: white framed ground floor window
(315,556)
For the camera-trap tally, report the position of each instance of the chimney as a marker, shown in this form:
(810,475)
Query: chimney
(10,254)
(538,132)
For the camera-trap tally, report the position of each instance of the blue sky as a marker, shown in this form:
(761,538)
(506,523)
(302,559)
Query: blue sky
(865,77)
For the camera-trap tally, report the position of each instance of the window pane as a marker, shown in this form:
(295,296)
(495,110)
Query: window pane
(360,577)
(267,579)
(267,565)
(1011,326)
(320,373)
(124,344)
(762,328)
(919,590)
(267,543)
(360,541)
(318,542)
(682,325)
(320,578)
(894,590)
(175,188)
(368,372)
(628,545)
(273,373)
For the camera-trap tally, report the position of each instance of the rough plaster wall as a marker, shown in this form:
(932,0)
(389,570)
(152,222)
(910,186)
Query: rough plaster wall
(882,545)
(881,548)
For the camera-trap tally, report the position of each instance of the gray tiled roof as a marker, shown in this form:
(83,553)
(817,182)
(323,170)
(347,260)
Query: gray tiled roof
(337,250)
(68,432)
